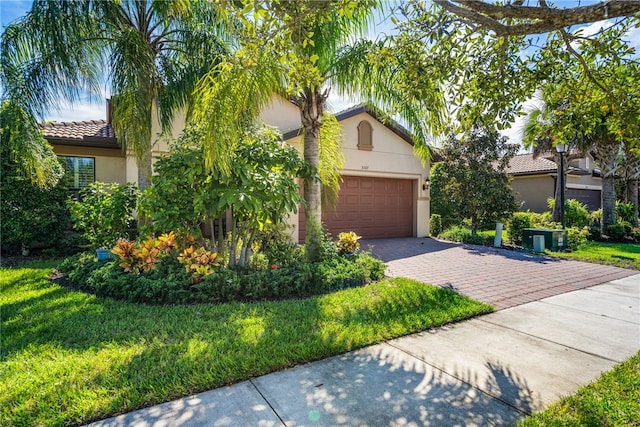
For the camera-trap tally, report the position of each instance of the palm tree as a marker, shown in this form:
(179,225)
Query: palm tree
(150,52)
(298,50)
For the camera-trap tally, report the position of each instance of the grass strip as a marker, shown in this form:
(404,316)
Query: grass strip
(624,255)
(69,358)
(611,400)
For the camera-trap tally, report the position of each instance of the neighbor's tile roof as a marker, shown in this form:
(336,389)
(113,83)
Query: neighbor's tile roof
(88,132)
(525,164)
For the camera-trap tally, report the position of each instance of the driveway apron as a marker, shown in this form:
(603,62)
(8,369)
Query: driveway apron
(500,277)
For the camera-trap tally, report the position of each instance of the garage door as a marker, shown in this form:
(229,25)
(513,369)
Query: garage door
(372,207)
(591,198)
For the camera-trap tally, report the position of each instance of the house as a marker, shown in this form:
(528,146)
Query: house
(534,181)
(383,191)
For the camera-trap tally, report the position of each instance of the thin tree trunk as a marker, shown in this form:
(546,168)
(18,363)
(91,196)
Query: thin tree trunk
(632,173)
(221,236)
(607,153)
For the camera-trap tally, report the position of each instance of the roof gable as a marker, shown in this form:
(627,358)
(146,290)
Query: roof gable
(359,109)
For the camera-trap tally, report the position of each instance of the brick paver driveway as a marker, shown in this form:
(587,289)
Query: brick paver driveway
(500,277)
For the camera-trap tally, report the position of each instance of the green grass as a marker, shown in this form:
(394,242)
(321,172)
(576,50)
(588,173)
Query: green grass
(70,358)
(625,255)
(611,400)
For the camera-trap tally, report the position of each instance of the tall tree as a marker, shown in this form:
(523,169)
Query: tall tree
(472,177)
(150,52)
(299,50)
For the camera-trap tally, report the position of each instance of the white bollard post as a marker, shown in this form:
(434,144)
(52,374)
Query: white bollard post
(497,242)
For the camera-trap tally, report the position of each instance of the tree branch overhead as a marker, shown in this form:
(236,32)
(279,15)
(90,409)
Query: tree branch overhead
(536,19)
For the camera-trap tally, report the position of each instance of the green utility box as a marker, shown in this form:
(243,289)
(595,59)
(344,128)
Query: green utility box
(553,239)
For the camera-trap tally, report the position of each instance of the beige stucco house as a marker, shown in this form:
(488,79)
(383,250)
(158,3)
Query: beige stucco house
(533,181)
(383,192)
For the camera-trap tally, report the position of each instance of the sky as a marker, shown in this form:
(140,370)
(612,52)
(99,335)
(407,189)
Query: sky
(87,110)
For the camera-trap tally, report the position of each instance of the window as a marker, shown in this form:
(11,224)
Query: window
(365,136)
(79,172)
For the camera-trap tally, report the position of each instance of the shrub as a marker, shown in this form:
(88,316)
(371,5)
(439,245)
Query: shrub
(347,243)
(435,224)
(465,235)
(616,231)
(576,214)
(105,213)
(542,220)
(30,215)
(577,237)
(275,243)
(626,211)
(169,281)
(518,222)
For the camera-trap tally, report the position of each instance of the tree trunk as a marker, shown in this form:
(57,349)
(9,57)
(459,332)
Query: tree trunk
(607,153)
(556,213)
(632,173)
(311,109)
(311,106)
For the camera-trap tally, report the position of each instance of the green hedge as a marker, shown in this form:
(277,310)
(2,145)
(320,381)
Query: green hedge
(169,283)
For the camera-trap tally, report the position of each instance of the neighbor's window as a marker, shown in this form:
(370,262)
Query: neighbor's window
(79,172)
(364,136)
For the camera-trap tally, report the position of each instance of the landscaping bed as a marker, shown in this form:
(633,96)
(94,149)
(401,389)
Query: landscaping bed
(70,357)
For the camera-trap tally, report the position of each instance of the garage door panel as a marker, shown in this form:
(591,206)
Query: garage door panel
(373,208)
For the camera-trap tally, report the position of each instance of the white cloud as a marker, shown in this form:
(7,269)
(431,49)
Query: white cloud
(79,112)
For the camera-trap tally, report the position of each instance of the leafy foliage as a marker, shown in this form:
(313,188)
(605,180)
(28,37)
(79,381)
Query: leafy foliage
(33,208)
(104,212)
(172,281)
(516,224)
(435,224)
(348,243)
(474,179)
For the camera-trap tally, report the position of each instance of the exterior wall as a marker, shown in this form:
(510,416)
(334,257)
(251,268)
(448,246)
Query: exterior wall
(110,164)
(283,114)
(391,157)
(533,191)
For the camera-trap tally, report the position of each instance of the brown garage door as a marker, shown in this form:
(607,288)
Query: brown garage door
(372,207)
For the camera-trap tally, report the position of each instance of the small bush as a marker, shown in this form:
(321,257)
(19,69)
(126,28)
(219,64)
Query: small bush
(436,225)
(577,237)
(576,214)
(541,220)
(616,231)
(465,235)
(105,213)
(347,243)
(626,212)
(518,222)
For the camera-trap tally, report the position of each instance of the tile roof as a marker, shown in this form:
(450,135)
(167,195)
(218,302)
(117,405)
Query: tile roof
(525,164)
(95,133)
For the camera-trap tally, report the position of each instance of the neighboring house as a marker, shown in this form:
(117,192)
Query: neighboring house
(533,181)
(383,193)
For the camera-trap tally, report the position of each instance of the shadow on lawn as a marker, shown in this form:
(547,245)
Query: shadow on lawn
(173,351)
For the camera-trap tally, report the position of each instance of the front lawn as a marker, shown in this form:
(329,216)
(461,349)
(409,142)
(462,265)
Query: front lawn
(70,358)
(611,400)
(625,255)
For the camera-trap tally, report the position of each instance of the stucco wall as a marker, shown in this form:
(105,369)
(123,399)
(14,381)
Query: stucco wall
(109,163)
(533,191)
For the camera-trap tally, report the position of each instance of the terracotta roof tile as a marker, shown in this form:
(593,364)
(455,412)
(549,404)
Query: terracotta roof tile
(79,130)
(525,164)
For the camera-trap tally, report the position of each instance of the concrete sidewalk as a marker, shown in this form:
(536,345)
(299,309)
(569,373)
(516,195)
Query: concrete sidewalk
(491,370)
